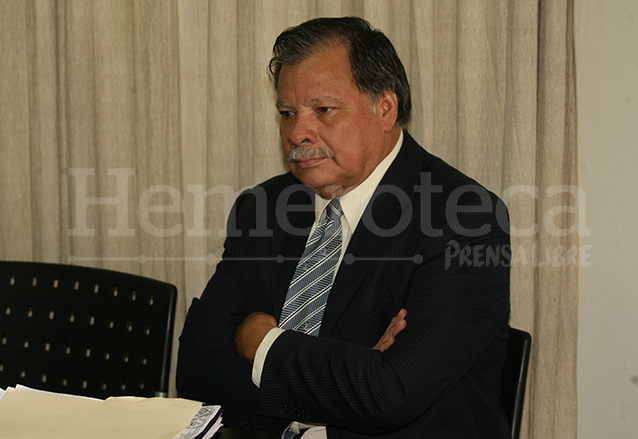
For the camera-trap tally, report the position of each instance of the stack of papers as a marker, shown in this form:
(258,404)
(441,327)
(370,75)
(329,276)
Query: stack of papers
(26,413)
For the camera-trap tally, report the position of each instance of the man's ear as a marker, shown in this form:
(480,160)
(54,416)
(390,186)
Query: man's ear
(388,108)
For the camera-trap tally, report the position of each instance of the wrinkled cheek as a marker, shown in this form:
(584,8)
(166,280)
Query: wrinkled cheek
(284,144)
(283,133)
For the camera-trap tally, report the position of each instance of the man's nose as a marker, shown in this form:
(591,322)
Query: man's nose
(303,129)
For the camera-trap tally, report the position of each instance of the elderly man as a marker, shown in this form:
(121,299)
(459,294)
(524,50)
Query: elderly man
(366,292)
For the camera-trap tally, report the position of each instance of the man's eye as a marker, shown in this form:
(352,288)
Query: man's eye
(285,113)
(324,109)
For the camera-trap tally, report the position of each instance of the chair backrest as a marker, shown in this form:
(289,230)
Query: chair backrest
(84,331)
(515,377)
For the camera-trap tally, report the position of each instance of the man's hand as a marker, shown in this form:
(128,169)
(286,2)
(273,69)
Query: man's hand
(251,332)
(397,325)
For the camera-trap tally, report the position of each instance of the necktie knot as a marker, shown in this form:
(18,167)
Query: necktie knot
(334,210)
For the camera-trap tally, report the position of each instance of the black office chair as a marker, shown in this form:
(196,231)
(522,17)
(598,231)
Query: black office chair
(515,377)
(84,331)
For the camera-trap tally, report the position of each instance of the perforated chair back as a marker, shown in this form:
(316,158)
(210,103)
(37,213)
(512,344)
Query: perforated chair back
(515,377)
(84,331)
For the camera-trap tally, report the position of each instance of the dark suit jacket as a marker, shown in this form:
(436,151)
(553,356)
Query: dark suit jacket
(432,241)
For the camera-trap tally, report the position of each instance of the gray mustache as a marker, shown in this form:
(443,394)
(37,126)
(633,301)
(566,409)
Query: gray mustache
(305,151)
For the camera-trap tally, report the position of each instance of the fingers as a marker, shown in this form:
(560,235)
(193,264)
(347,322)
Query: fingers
(397,325)
(399,317)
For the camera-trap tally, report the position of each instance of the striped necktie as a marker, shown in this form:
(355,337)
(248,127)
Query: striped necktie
(311,284)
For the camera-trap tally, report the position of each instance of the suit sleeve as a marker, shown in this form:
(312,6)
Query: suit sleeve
(454,312)
(209,368)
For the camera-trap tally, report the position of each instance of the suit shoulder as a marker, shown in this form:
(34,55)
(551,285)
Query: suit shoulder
(453,181)
(450,188)
(271,187)
(270,190)
(439,171)
(266,198)
(445,174)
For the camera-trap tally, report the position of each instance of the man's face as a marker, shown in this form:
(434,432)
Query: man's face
(332,134)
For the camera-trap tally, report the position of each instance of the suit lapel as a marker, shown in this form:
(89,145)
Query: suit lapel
(367,245)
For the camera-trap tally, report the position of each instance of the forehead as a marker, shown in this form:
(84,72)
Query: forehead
(327,68)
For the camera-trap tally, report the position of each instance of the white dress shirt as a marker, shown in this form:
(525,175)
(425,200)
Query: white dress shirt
(353,204)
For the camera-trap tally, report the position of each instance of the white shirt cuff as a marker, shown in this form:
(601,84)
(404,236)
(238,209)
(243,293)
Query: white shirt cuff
(262,352)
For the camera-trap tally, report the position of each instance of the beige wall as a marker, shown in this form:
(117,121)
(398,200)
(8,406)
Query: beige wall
(607,61)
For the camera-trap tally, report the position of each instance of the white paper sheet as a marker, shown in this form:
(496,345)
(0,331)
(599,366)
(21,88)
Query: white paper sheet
(35,415)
